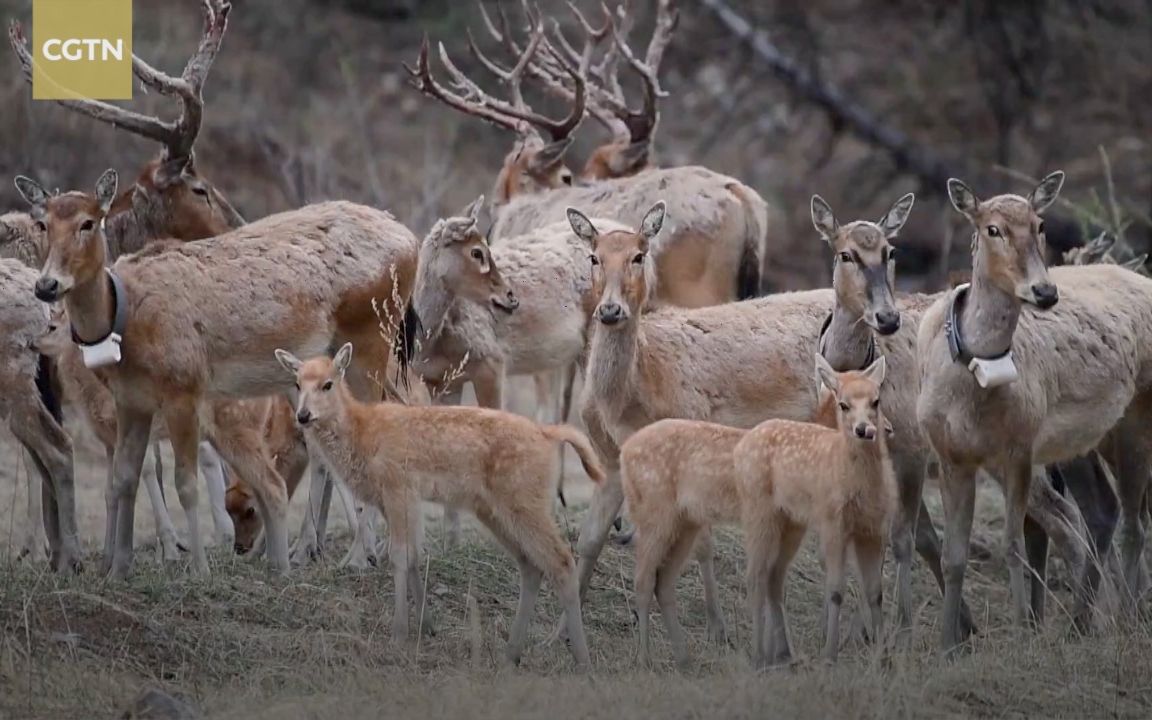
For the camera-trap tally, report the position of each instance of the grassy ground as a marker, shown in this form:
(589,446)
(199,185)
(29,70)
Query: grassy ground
(247,643)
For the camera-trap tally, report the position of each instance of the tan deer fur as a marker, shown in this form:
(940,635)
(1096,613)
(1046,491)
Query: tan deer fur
(716,226)
(677,477)
(22,321)
(737,364)
(495,464)
(792,476)
(1085,367)
(199,314)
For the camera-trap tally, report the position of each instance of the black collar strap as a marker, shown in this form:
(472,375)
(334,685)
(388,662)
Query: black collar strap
(119,312)
(952,329)
(871,358)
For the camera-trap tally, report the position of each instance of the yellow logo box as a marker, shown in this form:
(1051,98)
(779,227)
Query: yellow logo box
(82,49)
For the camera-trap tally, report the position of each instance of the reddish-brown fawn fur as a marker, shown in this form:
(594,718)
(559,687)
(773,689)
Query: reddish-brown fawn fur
(496,464)
(792,476)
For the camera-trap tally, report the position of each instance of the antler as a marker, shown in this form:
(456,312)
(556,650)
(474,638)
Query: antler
(179,136)
(516,115)
(606,97)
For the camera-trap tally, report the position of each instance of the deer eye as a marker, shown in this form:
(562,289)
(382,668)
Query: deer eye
(844,406)
(891,254)
(993,231)
(846,257)
(87,226)
(566,178)
(40,226)
(297,384)
(326,386)
(202,192)
(1040,229)
(876,403)
(477,254)
(638,259)
(595,260)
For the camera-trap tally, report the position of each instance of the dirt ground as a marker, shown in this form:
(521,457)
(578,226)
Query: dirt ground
(247,643)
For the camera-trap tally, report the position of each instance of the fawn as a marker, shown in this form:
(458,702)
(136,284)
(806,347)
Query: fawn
(794,475)
(498,465)
(678,481)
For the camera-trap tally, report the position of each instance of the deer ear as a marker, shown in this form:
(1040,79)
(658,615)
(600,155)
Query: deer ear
(1094,251)
(1047,191)
(343,358)
(32,191)
(895,218)
(106,189)
(823,219)
(581,225)
(1136,264)
(288,361)
(826,374)
(962,197)
(170,172)
(631,158)
(551,155)
(653,221)
(877,370)
(473,209)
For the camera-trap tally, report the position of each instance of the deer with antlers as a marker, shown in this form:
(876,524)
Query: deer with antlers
(169,199)
(193,322)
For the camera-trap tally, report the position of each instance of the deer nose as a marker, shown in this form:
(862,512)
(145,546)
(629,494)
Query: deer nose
(887,321)
(610,313)
(46,289)
(1046,295)
(513,301)
(303,417)
(865,431)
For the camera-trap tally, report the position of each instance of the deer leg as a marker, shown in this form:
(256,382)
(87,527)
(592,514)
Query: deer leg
(451,514)
(308,546)
(1017,481)
(834,546)
(606,502)
(1132,469)
(1036,547)
(958,490)
(870,563)
(243,449)
(50,450)
(1058,519)
(929,548)
(666,576)
(215,480)
(184,434)
(165,530)
(1089,481)
(705,556)
(34,538)
(133,429)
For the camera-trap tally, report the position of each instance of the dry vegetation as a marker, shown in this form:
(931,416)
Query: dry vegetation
(247,643)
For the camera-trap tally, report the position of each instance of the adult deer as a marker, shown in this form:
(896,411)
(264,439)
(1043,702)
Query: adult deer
(197,321)
(714,242)
(169,199)
(629,151)
(1016,372)
(36,426)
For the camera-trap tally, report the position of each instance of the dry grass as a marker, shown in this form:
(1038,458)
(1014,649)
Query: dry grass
(247,643)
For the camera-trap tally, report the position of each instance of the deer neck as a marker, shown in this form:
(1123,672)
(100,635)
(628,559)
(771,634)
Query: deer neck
(91,308)
(988,318)
(848,343)
(612,365)
(129,231)
(432,303)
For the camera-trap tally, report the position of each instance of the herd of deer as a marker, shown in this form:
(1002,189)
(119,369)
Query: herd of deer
(173,319)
